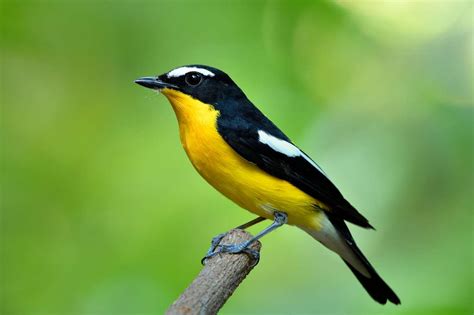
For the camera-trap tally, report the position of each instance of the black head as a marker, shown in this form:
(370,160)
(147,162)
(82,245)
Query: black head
(206,84)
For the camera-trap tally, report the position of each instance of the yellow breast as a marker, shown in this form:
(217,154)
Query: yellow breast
(236,178)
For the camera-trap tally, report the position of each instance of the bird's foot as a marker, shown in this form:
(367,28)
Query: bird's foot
(231,249)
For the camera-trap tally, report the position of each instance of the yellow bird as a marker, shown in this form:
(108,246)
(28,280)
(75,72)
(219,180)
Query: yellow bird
(242,154)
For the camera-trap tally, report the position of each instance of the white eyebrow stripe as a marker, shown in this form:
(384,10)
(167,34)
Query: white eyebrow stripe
(285,148)
(178,72)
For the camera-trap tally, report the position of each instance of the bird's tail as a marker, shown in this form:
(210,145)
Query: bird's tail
(375,286)
(336,236)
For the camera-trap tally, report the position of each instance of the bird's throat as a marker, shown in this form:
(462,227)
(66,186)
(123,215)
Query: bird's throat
(189,111)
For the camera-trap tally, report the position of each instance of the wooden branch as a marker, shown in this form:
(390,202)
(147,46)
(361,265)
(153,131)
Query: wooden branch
(216,282)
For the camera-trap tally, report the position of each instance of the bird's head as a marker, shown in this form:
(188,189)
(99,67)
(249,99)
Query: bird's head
(205,84)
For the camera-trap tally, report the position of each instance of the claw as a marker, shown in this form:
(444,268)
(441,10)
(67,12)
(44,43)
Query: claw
(253,254)
(211,252)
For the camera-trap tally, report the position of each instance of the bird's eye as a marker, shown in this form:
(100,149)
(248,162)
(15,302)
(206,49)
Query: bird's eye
(193,78)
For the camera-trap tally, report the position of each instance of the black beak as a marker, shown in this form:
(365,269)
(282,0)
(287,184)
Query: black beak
(154,83)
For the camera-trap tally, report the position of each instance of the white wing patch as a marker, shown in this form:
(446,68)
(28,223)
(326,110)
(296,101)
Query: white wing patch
(178,72)
(285,147)
(279,145)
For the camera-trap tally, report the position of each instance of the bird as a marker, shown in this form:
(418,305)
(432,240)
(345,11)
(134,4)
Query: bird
(247,158)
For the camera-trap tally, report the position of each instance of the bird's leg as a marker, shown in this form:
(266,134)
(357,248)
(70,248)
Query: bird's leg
(217,239)
(250,223)
(280,218)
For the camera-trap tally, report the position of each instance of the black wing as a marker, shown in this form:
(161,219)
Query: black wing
(242,135)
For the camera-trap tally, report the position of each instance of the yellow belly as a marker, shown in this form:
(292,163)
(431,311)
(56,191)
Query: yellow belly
(236,178)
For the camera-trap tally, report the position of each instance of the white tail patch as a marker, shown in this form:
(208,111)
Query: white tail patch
(178,72)
(330,237)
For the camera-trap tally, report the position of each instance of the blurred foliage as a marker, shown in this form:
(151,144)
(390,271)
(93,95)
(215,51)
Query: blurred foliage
(103,214)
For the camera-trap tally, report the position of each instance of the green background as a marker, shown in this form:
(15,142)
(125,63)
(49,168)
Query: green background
(102,213)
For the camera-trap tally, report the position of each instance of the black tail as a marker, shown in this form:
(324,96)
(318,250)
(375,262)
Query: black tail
(375,286)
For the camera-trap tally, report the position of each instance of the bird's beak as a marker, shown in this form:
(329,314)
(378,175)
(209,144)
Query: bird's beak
(154,83)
